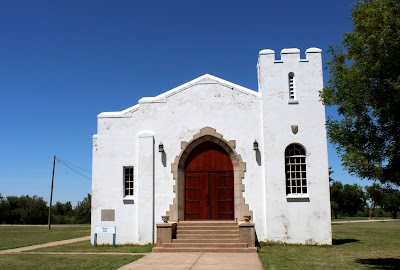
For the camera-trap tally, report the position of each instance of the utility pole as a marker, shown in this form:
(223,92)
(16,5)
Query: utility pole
(51,193)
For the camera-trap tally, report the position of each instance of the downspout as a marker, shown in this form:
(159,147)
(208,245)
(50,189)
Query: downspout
(154,197)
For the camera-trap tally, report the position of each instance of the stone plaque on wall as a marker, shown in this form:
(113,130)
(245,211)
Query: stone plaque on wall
(107,214)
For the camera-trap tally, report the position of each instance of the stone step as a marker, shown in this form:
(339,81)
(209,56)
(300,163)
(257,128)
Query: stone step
(213,240)
(205,245)
(208,232)
(207,236)
(207,223)
(228,250)
(187,228)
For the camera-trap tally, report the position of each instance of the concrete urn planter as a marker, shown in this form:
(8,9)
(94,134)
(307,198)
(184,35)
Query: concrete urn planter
(247,218)
(165,219)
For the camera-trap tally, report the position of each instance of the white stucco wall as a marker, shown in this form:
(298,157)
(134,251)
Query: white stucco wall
(131,138)
(305,218)
(235,112)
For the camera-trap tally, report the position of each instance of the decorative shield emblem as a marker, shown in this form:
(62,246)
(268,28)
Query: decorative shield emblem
(295,128)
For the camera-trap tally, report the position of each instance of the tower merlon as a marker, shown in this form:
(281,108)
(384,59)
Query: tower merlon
(288,54)
(290,51)
(267,51)
(313,50)
(314,55)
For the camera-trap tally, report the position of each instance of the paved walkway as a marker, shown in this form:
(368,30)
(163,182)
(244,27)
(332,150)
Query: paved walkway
(196,261)
(51,244)
(85,253)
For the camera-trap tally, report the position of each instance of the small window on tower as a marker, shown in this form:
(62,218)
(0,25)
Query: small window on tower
(128,181)
(292,93)
(292,89)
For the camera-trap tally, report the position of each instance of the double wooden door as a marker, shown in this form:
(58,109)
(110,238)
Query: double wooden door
(209,192)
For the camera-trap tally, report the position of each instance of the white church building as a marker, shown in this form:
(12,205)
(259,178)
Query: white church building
(214,150)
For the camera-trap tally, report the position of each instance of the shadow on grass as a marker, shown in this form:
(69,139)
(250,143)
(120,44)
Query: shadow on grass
(381,263)
(337,242)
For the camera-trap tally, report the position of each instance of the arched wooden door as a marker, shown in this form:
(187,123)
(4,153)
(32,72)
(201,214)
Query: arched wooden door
(209,184)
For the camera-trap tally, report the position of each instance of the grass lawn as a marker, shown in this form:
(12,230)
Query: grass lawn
(86,246)
(20,236)
(369,245)
(64,262)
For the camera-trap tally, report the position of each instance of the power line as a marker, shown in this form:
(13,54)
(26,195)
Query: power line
(74,165)
(74,169)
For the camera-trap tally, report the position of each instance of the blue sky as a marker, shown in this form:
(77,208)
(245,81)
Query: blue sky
(64,62)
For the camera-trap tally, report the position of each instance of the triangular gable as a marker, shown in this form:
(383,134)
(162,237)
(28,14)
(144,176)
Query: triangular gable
(205,79)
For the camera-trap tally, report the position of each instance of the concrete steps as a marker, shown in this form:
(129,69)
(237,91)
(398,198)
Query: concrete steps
(206,236)
(225,250)
(184,228)
(209,231)
(211,240)
(206,245)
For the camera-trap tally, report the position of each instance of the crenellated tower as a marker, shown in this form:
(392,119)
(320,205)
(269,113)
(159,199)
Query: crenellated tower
(296,182)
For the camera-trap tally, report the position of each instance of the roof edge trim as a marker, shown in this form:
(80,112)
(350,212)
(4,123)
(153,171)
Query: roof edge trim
(120,114)
(162,97)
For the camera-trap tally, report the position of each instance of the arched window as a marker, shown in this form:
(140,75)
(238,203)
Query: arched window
(292,93)
(295,166)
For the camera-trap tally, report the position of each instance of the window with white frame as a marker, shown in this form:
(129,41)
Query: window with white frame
(128,181)
(295,166)
(292,93)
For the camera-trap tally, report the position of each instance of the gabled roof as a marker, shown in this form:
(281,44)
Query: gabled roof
(205,79)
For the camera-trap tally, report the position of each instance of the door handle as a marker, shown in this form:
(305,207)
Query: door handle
(208,199)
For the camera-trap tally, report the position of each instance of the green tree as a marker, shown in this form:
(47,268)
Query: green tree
(374,195)
(62,213)
(391,200)
(63,209)
(25,210)
(330,173)
(365,86)
(83,210)
(67,208)
(57,209)
(353,199)
(36,210)
(336,198)
(4,209)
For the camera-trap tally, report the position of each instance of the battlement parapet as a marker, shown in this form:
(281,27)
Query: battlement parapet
(290,55)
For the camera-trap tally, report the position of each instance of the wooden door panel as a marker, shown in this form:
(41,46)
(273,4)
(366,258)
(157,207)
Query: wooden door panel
(225,196)
(195,196)
(209,174)
(221,195)
(207,157)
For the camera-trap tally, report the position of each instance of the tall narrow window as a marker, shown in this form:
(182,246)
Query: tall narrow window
(128,181)
(295,165)
(292,94)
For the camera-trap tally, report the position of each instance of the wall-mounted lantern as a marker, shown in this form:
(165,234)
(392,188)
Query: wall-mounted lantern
(255,145)
(160,147)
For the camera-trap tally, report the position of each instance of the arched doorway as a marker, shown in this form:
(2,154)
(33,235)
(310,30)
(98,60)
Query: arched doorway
(176,210)
(209,183)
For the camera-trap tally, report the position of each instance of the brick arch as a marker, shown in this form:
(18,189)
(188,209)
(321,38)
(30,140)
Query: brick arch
(176,209)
